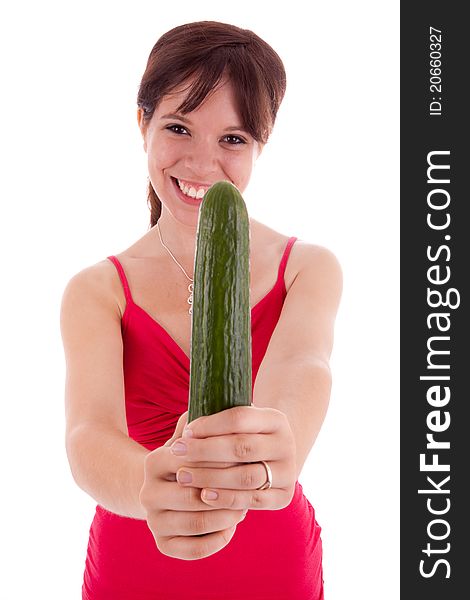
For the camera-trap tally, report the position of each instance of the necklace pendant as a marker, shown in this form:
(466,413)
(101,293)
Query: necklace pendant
(190,299)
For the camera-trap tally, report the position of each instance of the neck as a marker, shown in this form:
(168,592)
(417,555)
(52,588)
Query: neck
(180,238)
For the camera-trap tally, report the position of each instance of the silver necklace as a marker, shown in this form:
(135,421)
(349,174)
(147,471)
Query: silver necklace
(191,285)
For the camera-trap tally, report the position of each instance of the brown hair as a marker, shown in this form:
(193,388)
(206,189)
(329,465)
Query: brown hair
(206,50)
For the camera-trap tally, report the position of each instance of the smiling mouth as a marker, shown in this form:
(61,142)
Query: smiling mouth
(190,189)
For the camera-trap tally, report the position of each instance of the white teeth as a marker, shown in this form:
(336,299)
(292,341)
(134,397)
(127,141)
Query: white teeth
(191,191)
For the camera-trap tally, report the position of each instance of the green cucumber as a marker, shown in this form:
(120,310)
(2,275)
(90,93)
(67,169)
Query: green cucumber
(220,361)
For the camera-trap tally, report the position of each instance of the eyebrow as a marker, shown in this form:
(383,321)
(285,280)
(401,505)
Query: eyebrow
(185,120)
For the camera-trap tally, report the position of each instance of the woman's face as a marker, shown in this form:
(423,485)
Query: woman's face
(188,153)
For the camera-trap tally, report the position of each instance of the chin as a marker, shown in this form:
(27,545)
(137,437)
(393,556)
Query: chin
(189,218)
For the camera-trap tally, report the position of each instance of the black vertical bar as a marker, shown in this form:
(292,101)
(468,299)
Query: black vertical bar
(434,260)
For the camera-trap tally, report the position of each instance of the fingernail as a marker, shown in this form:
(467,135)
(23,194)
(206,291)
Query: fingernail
(210,495)
(184,477)
(187,432)
(179,448)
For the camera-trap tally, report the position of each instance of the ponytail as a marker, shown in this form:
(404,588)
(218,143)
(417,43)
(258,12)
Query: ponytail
(154,203)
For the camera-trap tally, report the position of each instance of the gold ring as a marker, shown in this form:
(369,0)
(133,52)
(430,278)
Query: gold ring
(269,477)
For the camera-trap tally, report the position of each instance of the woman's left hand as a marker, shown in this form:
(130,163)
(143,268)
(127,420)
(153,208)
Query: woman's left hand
(240,437)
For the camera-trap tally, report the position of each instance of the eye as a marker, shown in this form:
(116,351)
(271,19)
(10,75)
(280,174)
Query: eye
(178,129)
(234,139)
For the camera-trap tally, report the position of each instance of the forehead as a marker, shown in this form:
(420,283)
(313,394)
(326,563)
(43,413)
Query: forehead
(221,96)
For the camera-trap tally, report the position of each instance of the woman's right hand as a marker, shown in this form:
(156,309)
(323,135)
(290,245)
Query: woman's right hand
(182,525)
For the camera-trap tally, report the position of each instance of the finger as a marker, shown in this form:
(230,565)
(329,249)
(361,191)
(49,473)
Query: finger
(246,419)
(240,477)
(171,496)
(174,522)
(182,421)
(162,464)
(185,465)
(195,548)
(272,499)
(240,447)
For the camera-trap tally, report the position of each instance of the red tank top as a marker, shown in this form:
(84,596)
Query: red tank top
(274,554)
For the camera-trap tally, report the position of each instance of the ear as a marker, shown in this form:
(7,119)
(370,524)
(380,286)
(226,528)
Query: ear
(142,126)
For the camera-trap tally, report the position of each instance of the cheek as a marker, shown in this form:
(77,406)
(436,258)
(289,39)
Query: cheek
(239,169)
(161,154)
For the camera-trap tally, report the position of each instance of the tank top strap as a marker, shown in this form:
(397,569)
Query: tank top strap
(122,277)
(125,283)
(285,256)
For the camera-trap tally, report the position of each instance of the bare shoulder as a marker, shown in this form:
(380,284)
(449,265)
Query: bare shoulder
(316,279)
(319,270)
(306,324)
(96,283)
(317,259)
(317,265)
(90,326)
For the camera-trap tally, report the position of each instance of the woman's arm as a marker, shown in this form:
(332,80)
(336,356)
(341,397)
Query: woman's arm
(294,376)
(300,390)
(109,467)
(104,461)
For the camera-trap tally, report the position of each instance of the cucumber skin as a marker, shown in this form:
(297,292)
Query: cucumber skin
(220,362)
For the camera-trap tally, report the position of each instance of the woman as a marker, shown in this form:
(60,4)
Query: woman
(206,106)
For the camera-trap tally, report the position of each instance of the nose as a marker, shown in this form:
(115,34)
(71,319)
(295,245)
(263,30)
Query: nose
(202,159)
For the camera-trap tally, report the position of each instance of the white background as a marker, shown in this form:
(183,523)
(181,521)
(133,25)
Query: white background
(73,191)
